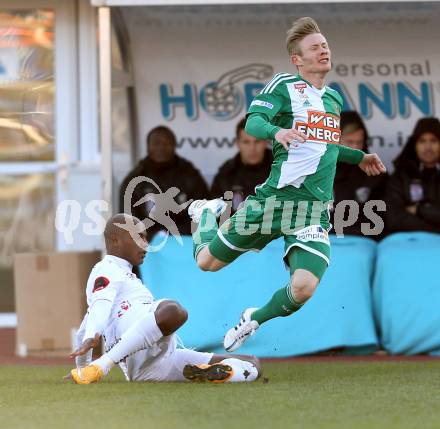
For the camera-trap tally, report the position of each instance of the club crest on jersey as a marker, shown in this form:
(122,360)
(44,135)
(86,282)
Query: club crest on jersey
(100,283)
(300,87)
(321,127)
(124,307)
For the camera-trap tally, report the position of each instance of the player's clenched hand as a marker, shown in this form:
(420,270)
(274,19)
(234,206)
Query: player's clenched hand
(285,137)
(86,346)
(372,165)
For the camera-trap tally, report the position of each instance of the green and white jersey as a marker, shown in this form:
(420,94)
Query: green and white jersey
(289,101)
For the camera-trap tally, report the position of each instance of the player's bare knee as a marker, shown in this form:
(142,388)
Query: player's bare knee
(213,267)
(303,284)
(170,316)
(204,264)
(209,263)
(184,315)
(303,290)
(204,261)
(179,314)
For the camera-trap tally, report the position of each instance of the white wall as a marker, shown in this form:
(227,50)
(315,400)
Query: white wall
(77,160)
(77,95)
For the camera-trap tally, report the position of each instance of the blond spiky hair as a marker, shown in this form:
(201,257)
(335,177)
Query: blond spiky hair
(300,28)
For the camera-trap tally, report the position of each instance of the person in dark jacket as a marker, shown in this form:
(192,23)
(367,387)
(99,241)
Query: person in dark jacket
(178,181)
(249,168)
(413,191)
(351,183)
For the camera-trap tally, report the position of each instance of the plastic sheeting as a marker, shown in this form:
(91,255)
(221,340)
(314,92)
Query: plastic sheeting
(338,316)
(407,293)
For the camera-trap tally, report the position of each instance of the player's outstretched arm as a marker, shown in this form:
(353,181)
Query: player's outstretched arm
(372,165)
(87,345)
(259,126)
(95,323)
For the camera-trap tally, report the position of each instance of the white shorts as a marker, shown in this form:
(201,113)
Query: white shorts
(169,368)
(162,362)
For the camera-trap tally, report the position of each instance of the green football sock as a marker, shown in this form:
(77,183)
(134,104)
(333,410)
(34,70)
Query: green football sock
(282,304)
(205,232)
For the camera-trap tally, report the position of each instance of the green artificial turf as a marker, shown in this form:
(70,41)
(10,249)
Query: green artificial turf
(327,395)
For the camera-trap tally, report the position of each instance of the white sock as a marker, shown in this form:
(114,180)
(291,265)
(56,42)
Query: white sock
(104,362)
(143,334)
(243,370)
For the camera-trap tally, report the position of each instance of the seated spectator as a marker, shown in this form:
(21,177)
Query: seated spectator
(249,168)
(413,191)
(179,181)
(351,183)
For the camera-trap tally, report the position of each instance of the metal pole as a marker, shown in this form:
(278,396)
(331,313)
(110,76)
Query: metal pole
(105,103)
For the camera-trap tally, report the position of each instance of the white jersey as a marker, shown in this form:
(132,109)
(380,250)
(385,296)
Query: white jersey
(112,279)
(113,291)
(117,300)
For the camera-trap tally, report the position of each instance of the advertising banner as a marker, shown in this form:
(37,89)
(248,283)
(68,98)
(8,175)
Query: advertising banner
(198,69)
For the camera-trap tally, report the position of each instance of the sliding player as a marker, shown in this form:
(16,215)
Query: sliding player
(138,331)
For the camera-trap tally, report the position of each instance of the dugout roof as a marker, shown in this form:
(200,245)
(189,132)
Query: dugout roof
(220,2)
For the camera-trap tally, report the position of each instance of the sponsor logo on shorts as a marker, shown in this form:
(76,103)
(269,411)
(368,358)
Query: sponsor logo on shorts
(262,104)
(313,233)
